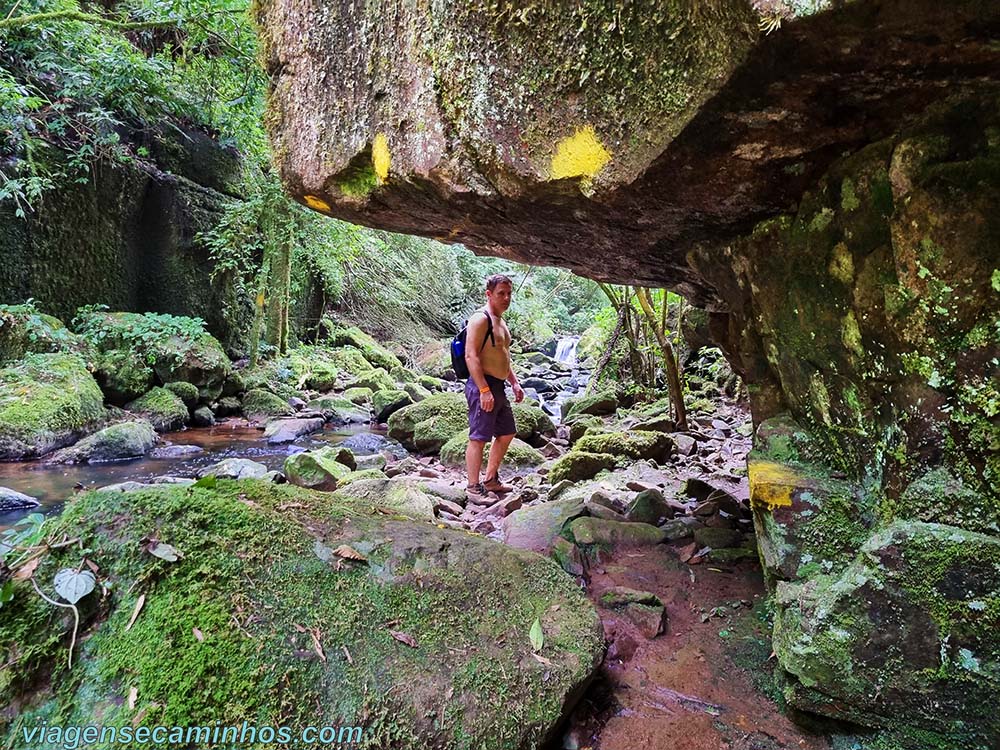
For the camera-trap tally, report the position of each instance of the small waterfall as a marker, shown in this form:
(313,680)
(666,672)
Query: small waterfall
(566,350)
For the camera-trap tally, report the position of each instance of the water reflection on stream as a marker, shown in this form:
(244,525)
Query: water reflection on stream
(51,484)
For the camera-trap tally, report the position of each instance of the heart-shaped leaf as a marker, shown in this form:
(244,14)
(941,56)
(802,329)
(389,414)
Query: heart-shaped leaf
(72,585)
(165,551)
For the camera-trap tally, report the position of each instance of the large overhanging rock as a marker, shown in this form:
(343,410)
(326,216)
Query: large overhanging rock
(828,192)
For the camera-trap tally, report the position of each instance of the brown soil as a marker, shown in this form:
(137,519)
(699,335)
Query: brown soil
(705,684)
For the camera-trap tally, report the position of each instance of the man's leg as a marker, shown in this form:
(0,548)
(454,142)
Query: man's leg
(474,460)
(497,451)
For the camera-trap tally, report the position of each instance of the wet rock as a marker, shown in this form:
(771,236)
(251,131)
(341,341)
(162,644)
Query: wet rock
(296,403)
(559,487)
(175,451)
(227,406)
(596,531)
(619,596)
(118,442)
(732,555)
(582,425)
(234,468)
(599,404)
(633,445)
(11,500)
(679,528)
(685,444)
(203,417)
(340,410)
(373,461)
(367,443)
(440,504)
(569,557)
(290,429)
(597,510)
(537,527)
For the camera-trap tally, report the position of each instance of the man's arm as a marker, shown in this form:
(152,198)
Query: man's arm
(474,336)
(514,383)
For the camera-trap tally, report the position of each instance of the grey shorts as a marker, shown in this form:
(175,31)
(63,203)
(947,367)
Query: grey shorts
(486,425)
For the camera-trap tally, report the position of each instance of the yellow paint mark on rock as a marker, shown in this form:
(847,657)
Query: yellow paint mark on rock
(772,484)
(316,203)
(381,159)
(579,155)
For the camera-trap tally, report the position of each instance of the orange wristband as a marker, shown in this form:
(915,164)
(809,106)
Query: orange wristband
(484,390)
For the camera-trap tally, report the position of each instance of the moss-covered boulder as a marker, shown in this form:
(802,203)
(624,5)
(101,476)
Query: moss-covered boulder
(581,425)
(519,453)
(319,469)
(260,405)
(47,401)
(161,408)
(358,395)
(387,403)
(416,391)
(122,375)
(351,360)
(538,527)
(376,354)
(313,367)
(174,347)
(533,424)
(339,409)
(598,404)
(377,379)
(278,611)
(360,475)
(187,392)
(601,532)
(578,465)
(906,633)
(114,443)
(405,495)
(634,445)
(428,425)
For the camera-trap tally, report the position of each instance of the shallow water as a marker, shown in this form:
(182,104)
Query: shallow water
(52,484)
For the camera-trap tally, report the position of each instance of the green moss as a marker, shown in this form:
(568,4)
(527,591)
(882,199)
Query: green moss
(376,354)
(163,408)
(186,392)
(260,404)
(377,379)
(46,401)
(518,453)
(578,465)
(320,469)
(635,445)
(532,422)
(442,415)
(358,395)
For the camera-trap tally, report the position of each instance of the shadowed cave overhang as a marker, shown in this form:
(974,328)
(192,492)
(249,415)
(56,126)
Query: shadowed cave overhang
(399,120)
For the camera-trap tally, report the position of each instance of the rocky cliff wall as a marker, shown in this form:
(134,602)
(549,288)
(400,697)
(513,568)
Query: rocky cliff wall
(828,192)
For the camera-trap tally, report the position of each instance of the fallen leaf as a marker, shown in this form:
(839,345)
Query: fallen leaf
(92,565)
(164,551)
(133,695)
(348,655)
(542,660)
(135,611)
(402,637)
(73,585)
(317,646)
(27,570)
(349,553)
(198,634)
(298,627)
(536,636)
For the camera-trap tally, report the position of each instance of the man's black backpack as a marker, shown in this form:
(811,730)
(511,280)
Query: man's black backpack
(458,346)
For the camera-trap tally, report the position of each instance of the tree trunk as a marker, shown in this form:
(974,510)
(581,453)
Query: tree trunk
(669,359)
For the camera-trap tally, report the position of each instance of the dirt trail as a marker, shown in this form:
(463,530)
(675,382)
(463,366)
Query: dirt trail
(705,684)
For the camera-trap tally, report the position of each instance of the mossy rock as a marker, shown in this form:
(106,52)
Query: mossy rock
(377,379)
(319,469)
(314,368)
(114,443)
(578,465)
(47,401)
(386,403)
(590,531)
(260,405)
(360,475)
(416,391)
(24,330)
(519,453)
(359,395)
(917,609)
(405,495)
(187,392)
(376,354)
(431,383)
(123,376)
(532,423)
(598,404)
(582,424)
(276,575)
(351,360)
(428,425)
(717,538)
(162,408)
(634,445)
(275,376)
(402,374)
(649,506)
(340,409)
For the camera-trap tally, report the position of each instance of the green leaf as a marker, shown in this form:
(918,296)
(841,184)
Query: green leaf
(6,592)
(536,636)
(207,482)
(996,280)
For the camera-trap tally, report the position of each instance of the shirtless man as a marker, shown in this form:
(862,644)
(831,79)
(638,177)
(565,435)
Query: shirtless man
(490,413)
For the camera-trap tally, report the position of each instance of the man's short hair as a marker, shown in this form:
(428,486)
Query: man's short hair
(496,279)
